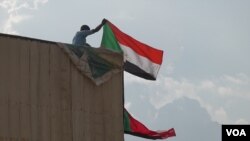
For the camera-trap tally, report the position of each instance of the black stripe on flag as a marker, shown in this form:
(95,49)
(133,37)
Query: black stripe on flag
(135,70)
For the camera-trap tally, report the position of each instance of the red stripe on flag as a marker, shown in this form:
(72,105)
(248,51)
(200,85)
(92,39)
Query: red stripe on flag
(140,48)
(141,130)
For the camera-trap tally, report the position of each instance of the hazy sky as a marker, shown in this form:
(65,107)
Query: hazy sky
(204,80)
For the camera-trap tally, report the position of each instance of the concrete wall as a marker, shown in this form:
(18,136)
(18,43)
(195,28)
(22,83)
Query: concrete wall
(43,97)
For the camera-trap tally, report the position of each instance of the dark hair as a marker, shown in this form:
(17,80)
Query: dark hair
(85,27)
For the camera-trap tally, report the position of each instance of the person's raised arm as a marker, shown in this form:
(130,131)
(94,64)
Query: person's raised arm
(100,25)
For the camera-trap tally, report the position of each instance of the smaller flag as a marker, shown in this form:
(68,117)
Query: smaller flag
(139,59)
(134,127)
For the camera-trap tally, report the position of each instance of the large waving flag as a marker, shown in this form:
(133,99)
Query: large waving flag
(139,59)
(134,127)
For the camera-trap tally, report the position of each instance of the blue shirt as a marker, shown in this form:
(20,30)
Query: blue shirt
(80,37)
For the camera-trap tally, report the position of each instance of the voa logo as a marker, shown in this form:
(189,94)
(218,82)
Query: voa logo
(236,132)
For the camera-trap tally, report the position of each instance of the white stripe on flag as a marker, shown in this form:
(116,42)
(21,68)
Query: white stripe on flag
(140,61)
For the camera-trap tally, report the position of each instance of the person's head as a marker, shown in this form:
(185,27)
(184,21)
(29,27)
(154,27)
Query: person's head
(84,27)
